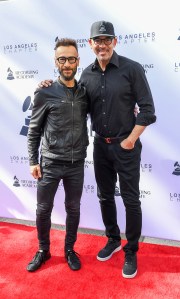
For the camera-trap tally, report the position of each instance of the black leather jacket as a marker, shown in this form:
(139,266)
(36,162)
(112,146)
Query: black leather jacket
(59,123)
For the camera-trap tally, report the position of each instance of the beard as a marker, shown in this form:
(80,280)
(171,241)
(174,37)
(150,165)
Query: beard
(69,77)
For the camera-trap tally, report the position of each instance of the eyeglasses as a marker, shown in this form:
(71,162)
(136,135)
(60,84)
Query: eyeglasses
(71,59)
(107,41)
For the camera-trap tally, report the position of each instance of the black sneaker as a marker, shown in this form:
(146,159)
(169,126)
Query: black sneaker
(40,258)
(130,266)
(73,260)
(111,247)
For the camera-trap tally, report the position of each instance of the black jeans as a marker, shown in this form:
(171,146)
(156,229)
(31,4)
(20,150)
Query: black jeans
(110,160)
(73,178)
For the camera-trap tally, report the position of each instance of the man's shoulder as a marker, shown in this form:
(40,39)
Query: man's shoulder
(47,91)
(131,62)
(87,73)
(89,68)
(129,65)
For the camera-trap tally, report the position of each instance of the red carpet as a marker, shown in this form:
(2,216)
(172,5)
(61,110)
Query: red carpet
(158,271)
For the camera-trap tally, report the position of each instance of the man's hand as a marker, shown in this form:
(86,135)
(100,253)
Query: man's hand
(35,170)
(45,83)
(127,144)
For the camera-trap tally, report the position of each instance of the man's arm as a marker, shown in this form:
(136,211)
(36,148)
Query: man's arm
(143,96)
(129,142)
(34,134)
(146,111)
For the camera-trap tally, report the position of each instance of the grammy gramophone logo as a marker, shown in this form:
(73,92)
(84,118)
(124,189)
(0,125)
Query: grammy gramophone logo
(27,107)
(176,168)
(16,182)
(10,75)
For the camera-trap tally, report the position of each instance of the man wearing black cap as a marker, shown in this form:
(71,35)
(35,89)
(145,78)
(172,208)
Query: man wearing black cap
(115,84)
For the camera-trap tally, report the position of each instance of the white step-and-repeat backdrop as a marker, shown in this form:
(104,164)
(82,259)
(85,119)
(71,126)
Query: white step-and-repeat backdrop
(147,31)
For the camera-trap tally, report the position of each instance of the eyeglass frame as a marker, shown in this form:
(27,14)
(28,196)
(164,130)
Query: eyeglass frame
(67,59)
(104,40)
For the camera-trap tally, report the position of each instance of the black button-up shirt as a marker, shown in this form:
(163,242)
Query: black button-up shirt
(113,94)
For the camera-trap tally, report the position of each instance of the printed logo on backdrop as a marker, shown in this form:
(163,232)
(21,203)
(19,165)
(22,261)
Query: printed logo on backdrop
(20,48)
(177,66)
(88,189)
(177,63)
(16,182)
(26,107)
(138,37)
(175,197)
(146,167)
(148,67)
(10,75)
(15,159)
(21,74)
(176,170)
(24,183)
(145,194)
(81,42)
(33,184)
(89,164)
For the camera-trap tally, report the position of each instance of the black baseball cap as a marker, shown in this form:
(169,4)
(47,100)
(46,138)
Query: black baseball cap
(102,28)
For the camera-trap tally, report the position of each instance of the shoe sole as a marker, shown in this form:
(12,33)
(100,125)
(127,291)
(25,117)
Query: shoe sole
(103,259)
(129,276)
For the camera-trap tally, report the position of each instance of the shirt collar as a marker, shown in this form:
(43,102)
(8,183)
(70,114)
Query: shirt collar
(114,60)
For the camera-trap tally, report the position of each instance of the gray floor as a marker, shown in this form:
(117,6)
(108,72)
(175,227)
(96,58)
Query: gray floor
(96,232)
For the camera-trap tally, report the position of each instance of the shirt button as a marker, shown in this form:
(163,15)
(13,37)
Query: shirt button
(104,112)
(105,125)
(103,100)
(102,86)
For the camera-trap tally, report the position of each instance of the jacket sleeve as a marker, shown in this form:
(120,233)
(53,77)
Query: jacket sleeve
(143,97)
(36,127)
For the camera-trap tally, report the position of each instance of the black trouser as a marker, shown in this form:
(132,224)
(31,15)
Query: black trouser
(73,178)
(110,160)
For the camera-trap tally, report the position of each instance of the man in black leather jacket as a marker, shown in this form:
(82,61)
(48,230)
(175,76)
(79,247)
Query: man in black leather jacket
(58,123)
